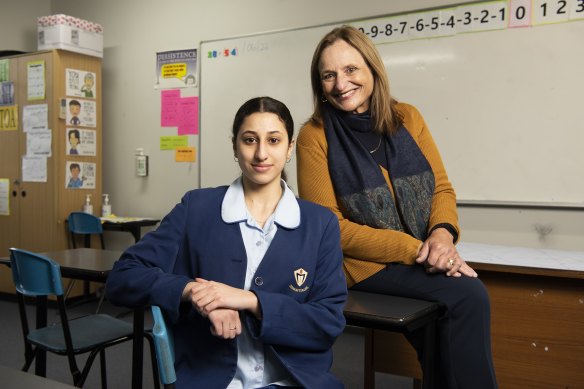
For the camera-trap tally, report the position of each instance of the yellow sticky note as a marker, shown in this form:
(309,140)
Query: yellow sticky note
(172,142)
(185,154)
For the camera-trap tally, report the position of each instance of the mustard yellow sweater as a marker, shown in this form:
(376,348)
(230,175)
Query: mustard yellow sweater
(367,250)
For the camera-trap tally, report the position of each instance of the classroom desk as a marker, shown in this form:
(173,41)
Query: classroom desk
(90,265)
(537,318)
(132,225)
(17,379)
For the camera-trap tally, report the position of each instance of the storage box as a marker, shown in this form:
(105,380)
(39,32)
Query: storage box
(69,33)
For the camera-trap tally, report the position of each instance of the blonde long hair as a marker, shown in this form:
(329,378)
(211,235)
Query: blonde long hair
(385,117)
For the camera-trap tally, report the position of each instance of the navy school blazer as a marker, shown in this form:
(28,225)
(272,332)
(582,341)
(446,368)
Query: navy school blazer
(299,322)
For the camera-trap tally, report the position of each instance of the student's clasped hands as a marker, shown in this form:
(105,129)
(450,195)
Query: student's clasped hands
(221,304)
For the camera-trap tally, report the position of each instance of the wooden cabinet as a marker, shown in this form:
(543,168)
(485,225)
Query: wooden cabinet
(38,210)
(537,327)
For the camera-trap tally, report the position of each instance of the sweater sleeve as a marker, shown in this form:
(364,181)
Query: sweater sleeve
(358,241)
(444,200)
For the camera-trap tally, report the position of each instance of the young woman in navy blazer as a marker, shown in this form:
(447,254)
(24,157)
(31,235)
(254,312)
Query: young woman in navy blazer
(249,276)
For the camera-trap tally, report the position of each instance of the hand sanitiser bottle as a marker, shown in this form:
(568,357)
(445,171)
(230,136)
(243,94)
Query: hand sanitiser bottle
(141,163)
(88,207)
(106,208)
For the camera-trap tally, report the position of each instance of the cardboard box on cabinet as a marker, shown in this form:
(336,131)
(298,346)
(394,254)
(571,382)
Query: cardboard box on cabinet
(70,33)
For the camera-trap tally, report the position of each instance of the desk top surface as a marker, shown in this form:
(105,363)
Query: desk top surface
(559,261)
(16,379)
(92,264)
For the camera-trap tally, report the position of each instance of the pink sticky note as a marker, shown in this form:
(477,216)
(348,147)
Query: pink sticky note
(189,116)
(169,108)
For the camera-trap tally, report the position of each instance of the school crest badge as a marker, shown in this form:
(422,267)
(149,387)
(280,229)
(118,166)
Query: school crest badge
(300,275)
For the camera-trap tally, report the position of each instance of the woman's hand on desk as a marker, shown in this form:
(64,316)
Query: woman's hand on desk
(438,254)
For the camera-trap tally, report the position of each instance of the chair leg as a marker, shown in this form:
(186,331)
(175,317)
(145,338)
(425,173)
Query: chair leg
(101,298)
(155,372)
(69,288)
(103,369)
(29,354)
(89,364)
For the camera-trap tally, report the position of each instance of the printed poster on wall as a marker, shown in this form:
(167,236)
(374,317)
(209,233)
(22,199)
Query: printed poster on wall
(80,83)
(38,143)
(81,113)
(35,76)
(34,169)
(176,69)
(80,142)
(4,197)
(80,175)
(35,117)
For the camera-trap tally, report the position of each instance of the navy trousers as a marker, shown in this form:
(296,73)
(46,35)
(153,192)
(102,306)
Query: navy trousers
(463,353)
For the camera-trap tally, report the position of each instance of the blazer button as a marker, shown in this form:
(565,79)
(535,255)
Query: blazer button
(259,281)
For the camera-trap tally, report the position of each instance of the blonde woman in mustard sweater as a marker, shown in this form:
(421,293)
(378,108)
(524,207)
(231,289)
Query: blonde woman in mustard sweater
(373,162)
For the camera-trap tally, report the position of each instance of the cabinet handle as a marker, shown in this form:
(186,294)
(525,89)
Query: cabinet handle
(14,193)
(23,193)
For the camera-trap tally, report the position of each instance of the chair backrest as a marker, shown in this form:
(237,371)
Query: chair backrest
(84,223)
(164,345)
(34,274)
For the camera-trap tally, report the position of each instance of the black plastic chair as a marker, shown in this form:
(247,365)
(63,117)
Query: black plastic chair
(38,276)
(85,225)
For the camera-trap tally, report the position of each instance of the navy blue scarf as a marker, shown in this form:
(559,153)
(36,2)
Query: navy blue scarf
(360,186)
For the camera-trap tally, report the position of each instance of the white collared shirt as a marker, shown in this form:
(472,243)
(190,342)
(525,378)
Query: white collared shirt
(256,365)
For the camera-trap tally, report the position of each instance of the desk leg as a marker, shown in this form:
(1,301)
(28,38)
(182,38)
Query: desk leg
(136,234)
(369,369)
(41,321)
(138,348)
(429,351)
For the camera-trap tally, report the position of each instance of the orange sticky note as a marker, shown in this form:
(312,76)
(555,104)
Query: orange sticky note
(185,154)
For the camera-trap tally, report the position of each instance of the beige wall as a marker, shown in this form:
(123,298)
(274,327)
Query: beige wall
(18,28)
(135,30)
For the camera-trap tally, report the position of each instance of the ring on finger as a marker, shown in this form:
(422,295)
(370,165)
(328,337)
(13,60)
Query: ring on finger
(451,262)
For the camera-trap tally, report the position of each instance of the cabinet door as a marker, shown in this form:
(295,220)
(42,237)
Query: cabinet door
(37,199)
(10,171)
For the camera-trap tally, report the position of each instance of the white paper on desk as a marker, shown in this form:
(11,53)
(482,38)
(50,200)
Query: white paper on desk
(34,169)
(38,143)
(35,117)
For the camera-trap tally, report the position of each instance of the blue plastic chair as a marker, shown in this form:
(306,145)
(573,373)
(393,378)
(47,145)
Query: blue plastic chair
(81,223)
(84,224)
(37,276)
(164,346)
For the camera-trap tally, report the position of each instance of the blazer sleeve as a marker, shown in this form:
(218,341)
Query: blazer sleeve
(144,273)
(317,322)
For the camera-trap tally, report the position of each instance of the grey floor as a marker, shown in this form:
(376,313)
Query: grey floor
(348,354)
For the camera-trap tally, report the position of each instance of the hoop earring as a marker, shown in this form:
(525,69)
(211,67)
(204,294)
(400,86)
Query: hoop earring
(235,159)
(323,99)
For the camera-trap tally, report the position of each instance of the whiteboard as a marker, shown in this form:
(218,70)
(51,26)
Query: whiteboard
(504,106)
